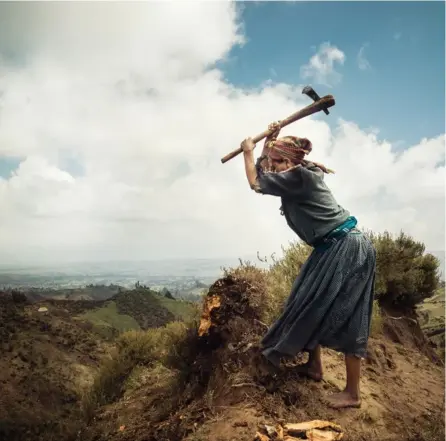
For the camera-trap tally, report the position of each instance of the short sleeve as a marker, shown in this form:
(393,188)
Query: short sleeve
(287,183)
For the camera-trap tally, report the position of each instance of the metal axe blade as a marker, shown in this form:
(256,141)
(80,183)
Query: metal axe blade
(309,91)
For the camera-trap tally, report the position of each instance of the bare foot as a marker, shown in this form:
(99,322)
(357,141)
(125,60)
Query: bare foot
(343,400)
(310,371)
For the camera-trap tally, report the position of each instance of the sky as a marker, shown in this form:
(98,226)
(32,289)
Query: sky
(114,118)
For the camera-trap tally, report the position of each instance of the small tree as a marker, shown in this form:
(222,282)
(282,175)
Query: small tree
(405,275)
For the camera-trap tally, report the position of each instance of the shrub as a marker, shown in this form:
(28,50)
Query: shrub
(405,275)
(134,349)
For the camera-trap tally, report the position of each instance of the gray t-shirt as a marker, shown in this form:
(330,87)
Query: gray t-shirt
(308,205)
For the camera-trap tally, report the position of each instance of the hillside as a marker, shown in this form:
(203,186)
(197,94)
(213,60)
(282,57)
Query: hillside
(140,366)
(48,361)
(140,308)
(89,292)
(207,384)
(432,320)
(52,350)
(111,309)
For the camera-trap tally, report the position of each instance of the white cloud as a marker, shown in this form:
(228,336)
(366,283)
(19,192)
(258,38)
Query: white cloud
(321,67)
(361,59)
(143,112)
(397,35)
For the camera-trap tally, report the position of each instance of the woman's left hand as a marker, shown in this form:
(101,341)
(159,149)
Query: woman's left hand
(247,145)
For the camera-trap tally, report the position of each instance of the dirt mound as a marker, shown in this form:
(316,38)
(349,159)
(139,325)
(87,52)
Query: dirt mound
(47,361)
(223,391)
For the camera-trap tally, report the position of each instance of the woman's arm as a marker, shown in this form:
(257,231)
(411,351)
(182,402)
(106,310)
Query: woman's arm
(275,126)
(275,184)
(250,167)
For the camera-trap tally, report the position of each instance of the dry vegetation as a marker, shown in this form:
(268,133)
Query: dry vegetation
(170,384)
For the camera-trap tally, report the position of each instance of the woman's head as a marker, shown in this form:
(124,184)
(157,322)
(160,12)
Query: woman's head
(290,151)
(287,152)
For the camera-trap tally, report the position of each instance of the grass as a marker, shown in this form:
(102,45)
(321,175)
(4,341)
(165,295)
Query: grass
(108,318)
(139,356)
(182,310)
(377,324)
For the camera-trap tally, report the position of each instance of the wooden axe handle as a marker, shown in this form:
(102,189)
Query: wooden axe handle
(324,103)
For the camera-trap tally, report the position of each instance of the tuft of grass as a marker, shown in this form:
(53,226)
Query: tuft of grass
(377,323)
(135,349)
(157,374)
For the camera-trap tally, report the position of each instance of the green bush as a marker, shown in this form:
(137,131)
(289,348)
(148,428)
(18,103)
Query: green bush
(405,275)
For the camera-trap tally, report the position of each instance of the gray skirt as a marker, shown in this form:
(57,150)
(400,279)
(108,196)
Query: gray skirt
(330,302)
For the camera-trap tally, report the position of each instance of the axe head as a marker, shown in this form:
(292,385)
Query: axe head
(309,91)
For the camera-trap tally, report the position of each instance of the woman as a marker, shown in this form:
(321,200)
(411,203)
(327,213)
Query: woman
(331,299)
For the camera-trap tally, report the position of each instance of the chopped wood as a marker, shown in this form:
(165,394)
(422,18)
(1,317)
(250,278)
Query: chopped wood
(271,431)
(300,428)
(261,437)
(274,432)
(323,435)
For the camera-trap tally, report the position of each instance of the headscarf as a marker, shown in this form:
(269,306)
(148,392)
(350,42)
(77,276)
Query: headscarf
(295,149)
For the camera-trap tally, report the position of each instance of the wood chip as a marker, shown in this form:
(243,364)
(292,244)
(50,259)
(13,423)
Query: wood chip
(300,428)
(323,435)
(261,437)
(271,431)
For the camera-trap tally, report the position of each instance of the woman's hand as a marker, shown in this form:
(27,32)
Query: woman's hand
(247,145)
(275,127)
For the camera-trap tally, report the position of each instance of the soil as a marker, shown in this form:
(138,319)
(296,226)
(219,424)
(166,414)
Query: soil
(228,393)
(47,361)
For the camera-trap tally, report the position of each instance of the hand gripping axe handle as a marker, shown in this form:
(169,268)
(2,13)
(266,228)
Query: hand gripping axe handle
(319,104)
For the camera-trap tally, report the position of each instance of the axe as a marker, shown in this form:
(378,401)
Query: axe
(319,104)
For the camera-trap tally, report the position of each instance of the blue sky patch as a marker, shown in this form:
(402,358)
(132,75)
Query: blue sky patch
(393,76)
(7,165)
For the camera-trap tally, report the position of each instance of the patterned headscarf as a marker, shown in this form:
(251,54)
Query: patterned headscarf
(295,149)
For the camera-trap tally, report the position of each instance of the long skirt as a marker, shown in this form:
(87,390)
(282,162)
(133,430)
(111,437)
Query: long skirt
(330,302)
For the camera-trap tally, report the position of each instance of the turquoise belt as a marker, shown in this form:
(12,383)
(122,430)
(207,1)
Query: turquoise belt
(335,235)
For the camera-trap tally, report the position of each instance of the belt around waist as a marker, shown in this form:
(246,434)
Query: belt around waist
(349,226)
